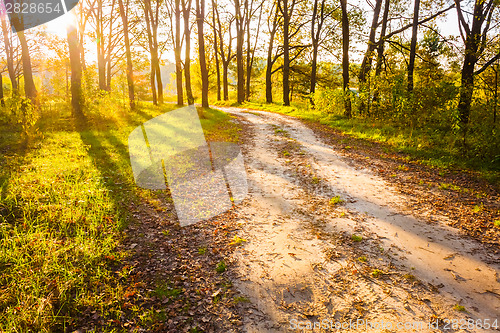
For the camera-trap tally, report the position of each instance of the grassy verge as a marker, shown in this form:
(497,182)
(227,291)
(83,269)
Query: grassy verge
(63,209)
(430,146)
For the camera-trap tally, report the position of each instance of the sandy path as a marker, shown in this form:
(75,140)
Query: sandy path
(300,264)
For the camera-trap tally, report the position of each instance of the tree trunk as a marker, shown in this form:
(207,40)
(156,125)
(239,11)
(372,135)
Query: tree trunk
(495,99)
(315,35)
(225,82)
(413,46)
(2,101)
(159,82)
(286,54)
(248,69)
(186,8)
(345,59)
(380,51)
(154,25)
(367,59)
(101,61)
(128,54)
(177,51)
(240,31)
(216,52)
(472,43)
(66,67)
(76,71)
(29,85)
(200,13)
(366,64)
(10,57)
(269,68)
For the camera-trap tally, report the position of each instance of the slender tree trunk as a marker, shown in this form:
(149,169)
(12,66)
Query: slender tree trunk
(186,7)
(269,68)
(200,13)
(101,61)
(76,72)
(154,25)
(159,81)
(380,52)
(10,57)
(2,101)
(240,34)
(345,59)
(29,85)
(286,54)
(128,54)
(66,67)
(147,11)
(315,35)
(367,59)
(366,64)
(225,59)
(249,52)
(495,105)
(467,87)
(177,51)
(108,73)
(216,51)
(252,57)
(413,46)
(225,82)
(472,43)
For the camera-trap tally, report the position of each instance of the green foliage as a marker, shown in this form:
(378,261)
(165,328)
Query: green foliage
(25,114)
(376,273)
(356,238)
(335,200)
(363,259)
(237,241)
(63,207)
(221,267)
(330,101)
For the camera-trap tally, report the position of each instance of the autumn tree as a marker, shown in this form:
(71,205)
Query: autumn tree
(76,71)
(29,85)
(474,32)
(200,16)
(186,12)
(223,27)
(345,59)
(413,45)
(124,11)
(9,52)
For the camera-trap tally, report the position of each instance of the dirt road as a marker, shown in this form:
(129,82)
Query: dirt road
(330,242)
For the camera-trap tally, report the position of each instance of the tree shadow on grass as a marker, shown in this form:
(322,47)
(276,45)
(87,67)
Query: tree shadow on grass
(156,247)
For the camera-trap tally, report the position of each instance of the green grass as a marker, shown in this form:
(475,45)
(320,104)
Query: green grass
(237,241)
(431,146)
(221,267)
(447,186)
(63,209)
(356,238)
(376,273)
(165,290)
(336,200)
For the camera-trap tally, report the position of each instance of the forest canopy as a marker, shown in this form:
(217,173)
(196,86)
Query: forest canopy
(417,64)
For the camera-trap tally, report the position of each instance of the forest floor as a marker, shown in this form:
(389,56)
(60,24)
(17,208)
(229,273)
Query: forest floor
(335,230)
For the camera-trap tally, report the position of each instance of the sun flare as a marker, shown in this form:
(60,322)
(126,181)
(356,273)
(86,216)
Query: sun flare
(59,25)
